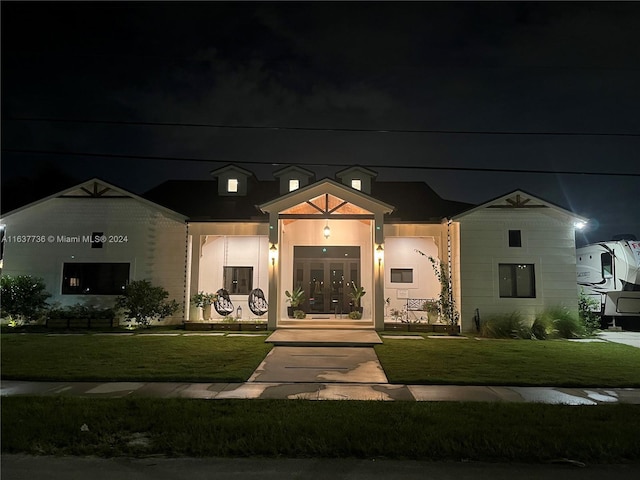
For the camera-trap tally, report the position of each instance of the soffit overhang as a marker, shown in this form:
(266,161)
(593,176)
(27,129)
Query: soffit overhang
(326,198)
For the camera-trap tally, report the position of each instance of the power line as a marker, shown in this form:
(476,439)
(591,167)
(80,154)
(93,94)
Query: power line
(324,164)
(319,129)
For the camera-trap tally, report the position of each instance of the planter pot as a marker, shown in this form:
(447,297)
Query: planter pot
(450,329)
(357,309)
(206,312)
(290,311)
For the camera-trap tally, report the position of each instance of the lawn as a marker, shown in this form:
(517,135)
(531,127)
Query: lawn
(415,430)
(509,362)
(131,357)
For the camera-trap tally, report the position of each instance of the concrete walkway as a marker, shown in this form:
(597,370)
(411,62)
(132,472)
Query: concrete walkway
(298,368)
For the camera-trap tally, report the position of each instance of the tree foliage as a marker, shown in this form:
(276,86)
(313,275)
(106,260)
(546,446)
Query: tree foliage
(142,302)
(23,296)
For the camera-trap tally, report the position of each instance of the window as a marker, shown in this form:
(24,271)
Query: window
(402,275)
(517,280)
(356,183)
(294,184)
(232,185)
(515,238)
(238,280)
(94,278)
(607,265)
(97,240)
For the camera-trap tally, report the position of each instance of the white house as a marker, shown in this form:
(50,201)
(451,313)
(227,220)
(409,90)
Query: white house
(243,234)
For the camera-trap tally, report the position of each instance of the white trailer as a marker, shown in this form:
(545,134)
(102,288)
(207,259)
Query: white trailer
(609,272)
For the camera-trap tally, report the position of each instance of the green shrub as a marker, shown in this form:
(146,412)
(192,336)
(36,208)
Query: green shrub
(355,315)
(79,311)
(542,328)
(142,302)
(23,296)
(510,325)
(299,314)
(587,311)
(565,324)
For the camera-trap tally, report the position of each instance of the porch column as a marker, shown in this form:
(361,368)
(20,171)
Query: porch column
(194,283)
(378,275)
(274,269)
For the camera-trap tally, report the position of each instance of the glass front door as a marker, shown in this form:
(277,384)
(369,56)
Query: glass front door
(325,274)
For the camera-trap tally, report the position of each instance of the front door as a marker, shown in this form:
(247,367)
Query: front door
(325,274)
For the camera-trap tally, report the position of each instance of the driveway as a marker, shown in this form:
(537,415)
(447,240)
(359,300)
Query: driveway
(627,338)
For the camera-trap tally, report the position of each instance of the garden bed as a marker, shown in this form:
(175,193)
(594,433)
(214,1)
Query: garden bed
(422,327)
(225,326)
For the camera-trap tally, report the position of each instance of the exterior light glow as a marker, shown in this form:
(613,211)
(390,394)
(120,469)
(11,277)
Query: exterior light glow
(326,231)
(379,253)
(273,253)
(580,225)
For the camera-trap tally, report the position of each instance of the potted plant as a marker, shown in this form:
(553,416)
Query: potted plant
(204,301)
(356,294)
(294,298)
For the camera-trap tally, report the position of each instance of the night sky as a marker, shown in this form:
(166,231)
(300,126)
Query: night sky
(551,87)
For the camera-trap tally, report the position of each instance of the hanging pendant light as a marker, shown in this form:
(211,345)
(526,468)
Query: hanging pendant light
(326,231)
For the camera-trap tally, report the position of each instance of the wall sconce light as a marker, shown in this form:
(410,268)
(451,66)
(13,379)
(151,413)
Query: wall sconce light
(273,253)
(326,231)
(379,254)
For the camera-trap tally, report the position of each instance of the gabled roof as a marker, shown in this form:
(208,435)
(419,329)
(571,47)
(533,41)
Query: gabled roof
(356,168)
(230,168)
(328,186)
(416,202)
(293,168)
(97,188)
(520,199)
(199,199)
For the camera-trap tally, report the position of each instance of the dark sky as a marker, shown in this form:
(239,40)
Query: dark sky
(550,70)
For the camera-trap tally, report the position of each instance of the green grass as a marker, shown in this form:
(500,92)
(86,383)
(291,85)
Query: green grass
(438,431)
(509,362)
(132,358)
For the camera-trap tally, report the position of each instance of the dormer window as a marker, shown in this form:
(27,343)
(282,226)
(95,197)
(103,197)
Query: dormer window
(232,185)
(356,183)
(294,184)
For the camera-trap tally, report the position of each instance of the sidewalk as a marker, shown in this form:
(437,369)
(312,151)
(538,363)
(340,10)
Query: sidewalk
(326,391)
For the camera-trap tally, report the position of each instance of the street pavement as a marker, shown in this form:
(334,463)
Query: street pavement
(25,467)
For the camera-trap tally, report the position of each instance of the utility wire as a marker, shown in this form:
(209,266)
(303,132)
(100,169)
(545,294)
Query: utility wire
(324,164)
(319,129)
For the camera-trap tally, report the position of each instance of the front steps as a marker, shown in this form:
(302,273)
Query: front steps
(307,337)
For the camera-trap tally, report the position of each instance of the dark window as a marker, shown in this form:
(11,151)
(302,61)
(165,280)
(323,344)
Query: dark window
(517,280)
(515,238)
(238,280)
(97,239)
(607,265)
(402,275)
(94,278)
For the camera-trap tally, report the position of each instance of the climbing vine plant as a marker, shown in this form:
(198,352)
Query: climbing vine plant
(446,304)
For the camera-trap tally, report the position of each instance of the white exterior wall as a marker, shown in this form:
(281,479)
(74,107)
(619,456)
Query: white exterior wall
(234,251)
(400,252)
(548,242)
(343,232)
(155,245)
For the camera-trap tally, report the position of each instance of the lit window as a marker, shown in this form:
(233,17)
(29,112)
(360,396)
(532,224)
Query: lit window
(356,183)
(401,275)
(232,185)
(517,280)
(238,280)
(294,184)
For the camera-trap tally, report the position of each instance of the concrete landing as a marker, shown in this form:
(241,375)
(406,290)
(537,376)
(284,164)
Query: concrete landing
(320,364)
(324,338)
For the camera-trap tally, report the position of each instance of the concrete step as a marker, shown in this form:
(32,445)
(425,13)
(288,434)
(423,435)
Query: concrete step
(324,337)
(326,323)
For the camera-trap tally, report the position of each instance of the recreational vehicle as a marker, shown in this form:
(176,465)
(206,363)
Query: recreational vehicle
(609,272)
